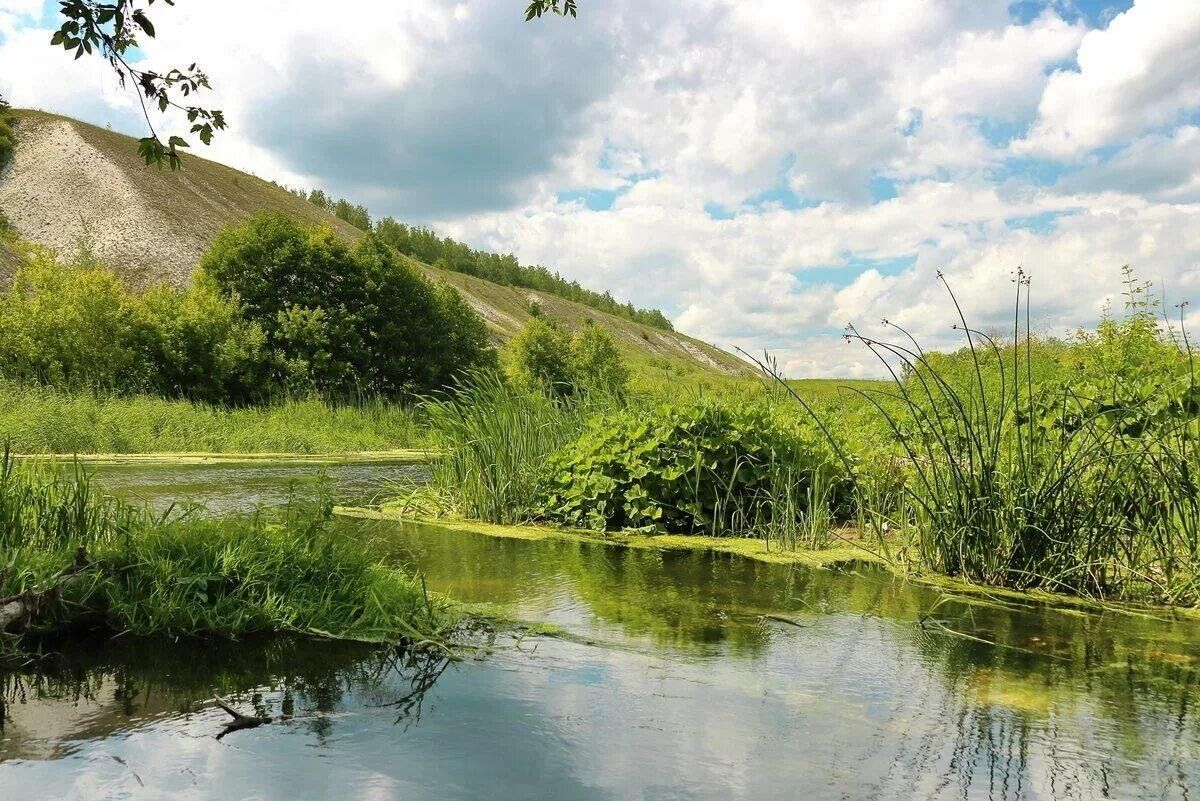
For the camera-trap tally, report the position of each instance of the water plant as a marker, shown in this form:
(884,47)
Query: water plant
(74,557)
(493,440)
(1083,484)
(703,467)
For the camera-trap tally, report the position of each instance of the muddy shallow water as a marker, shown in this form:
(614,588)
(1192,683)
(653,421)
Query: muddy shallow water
(674,675)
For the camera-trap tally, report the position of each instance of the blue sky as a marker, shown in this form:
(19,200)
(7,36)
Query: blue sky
(764,172)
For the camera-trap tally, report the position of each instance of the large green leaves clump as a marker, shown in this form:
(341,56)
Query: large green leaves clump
(694,468)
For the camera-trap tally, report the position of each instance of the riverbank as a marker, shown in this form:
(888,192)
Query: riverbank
(400,456)
(852,548)
(78,559)
(38,420)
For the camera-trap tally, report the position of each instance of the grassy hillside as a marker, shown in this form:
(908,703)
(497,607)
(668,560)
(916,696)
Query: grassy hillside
(154,225)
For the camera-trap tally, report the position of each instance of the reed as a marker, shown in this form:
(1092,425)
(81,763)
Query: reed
(1083,486)
(43,420)
(76,558)
(493,441)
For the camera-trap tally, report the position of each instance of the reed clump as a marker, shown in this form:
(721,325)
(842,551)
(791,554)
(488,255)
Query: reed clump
(493,441)
(73,557)
(1034,465)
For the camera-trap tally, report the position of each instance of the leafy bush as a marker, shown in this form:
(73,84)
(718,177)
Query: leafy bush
(545,357)
(697,468)
(596,363)
(77,326)
(8,137)
(341,320)
(538,358)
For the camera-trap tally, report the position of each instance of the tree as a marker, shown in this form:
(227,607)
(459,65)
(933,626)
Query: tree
(538,358)
(536,8)
(544,356)
(342,320)
(111,30)
(596,362)
(306,290)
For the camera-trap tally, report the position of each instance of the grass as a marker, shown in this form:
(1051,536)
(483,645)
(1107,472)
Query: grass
(1082,486)
(493,440)
(39,420)
(84,559)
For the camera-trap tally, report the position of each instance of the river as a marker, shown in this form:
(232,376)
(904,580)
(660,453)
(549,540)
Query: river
(664,675)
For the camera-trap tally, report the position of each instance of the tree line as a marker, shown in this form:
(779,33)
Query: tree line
(275,308)
(425,245)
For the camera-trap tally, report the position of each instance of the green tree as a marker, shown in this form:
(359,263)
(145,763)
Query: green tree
(462,342)
(564,8)
(195,343)
(538,358)
(544,356)
(342,320)
(596,363)
(67,326)
(112,29)
(307,291)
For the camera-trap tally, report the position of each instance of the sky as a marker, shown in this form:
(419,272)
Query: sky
(765,171)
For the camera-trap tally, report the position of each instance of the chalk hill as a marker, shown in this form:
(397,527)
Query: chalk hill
(70,182)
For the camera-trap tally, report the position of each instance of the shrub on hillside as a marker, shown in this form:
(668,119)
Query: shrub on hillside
(77,326)
(544,356)
(539,357)
(343,320)
(8,137)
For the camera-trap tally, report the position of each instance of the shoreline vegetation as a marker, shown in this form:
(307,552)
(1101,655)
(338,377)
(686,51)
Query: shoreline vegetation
(79,560)
(46,421)
(852,548)
(1018,463)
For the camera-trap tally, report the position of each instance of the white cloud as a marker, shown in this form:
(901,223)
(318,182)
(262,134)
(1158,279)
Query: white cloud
(782,112)
(1138,73)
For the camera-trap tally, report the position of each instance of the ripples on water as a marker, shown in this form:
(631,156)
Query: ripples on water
(670,683)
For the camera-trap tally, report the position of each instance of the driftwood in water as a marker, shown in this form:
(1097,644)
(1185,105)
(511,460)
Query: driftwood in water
(239,721)
(20,609)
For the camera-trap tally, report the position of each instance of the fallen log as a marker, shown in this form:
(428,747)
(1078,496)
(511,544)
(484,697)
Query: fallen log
(239,721)
(21,608)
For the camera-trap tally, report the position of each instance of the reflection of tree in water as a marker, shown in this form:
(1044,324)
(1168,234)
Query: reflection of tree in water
(1061,707)
(125,683)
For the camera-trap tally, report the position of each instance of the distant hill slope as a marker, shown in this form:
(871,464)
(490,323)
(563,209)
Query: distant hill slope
(70,181)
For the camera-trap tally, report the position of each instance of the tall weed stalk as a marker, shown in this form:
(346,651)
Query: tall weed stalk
(493,441)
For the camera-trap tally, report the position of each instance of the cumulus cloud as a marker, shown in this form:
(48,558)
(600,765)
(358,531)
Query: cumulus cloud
(1140,72)
(765,172)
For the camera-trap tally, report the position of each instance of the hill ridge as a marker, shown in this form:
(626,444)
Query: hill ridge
(68,177)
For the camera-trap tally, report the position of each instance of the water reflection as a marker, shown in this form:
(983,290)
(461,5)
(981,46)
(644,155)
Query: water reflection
(226,488)
(105,689)
(681,675)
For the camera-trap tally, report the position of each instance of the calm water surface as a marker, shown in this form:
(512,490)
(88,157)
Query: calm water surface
(224,488)
(672,680)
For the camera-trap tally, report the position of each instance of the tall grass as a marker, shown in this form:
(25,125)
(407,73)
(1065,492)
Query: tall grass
(1087,488)
(133,571)
(42,420)
(493,441)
